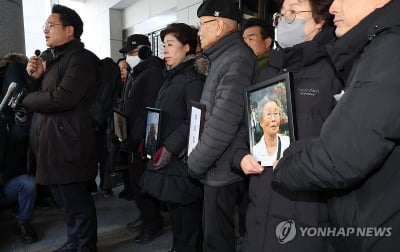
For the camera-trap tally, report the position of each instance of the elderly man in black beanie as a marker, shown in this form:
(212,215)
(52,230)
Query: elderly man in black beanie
(232,68)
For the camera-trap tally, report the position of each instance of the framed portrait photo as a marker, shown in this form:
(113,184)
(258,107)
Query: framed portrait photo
(197,117)
(120,125)
(153,124)
(270,118)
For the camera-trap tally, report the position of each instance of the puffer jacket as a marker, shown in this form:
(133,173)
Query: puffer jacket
(233,68)
(62,133)
(357,156)
(314,85)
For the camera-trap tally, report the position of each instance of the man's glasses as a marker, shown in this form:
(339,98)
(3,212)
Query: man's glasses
(48,26)
(289,16)
(205,22)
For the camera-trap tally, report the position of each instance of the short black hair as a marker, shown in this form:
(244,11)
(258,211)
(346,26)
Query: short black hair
(267,30)
(183,33)
(69,17)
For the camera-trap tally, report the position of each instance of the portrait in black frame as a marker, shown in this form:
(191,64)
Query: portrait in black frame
(197,118)
(153,125)
(272,93)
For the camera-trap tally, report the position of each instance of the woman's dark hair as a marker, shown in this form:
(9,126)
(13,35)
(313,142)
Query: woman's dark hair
(121,59)
(320,11)
(128,68)
(69,17)
(183,33)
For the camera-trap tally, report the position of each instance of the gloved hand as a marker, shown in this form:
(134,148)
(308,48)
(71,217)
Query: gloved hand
(161,158)
(141,150)
(21,114)
(17,97)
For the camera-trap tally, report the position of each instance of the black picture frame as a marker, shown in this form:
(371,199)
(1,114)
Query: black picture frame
(120,121)
(278,90)
(153,126)
(196,125)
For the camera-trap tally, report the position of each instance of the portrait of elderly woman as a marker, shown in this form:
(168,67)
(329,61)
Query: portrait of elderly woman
(270,118)
(272,144)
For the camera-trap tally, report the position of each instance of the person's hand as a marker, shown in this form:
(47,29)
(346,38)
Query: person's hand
(250,165)
(161,158)
(35,68)
(21,114)
(17,97)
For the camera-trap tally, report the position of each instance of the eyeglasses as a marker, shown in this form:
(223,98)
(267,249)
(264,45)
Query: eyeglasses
(48,26)
(205,22)
(289,16)
(270,115)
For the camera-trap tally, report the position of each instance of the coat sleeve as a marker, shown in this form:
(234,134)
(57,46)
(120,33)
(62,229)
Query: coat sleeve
(149,86)
(177,140)
(240,147)
(355,141)
(78,80)
(225,116)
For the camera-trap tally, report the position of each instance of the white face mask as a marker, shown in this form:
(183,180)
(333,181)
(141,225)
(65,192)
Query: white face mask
(292,34)
(132,60)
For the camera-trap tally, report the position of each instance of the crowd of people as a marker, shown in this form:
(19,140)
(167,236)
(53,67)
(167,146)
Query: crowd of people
(339,172)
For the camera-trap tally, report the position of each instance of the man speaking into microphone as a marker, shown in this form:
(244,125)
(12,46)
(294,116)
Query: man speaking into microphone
(62,134)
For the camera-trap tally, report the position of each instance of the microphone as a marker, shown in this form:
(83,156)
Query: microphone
(37,53)
(10,90)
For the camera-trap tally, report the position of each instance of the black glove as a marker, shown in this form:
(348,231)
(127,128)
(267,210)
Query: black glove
(17,97)
(21,114)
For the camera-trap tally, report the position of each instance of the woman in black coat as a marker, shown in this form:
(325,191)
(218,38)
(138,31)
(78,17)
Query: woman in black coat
(167,178)
(272,212)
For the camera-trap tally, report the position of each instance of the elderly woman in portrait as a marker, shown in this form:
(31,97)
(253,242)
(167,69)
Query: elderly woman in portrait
(272,144)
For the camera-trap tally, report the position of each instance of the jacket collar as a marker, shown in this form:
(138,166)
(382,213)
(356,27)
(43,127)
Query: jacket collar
(151,61)
(222,45)
(188,62)
(307,53)
(60,50)
(346,49)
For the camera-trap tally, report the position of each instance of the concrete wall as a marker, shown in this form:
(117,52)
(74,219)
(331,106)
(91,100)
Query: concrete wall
(11,27)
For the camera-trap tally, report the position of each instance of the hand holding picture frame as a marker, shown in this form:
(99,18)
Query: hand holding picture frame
(197,117)
(270,118)
(153,126)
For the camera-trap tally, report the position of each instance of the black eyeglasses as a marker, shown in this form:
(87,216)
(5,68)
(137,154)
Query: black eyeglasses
(289,16)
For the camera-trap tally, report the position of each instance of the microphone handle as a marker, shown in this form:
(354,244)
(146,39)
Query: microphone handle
(10,90)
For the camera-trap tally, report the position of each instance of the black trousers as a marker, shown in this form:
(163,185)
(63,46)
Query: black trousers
(79,213)
(219,216)
(149,207)
(186,221)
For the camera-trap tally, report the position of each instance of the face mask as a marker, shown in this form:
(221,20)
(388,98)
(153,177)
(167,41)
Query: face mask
(292,34)
(132,60)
